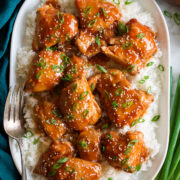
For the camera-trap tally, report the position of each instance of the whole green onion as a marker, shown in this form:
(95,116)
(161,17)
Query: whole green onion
(173,140)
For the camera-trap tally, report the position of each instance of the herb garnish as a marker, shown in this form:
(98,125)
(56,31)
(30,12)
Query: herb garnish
(155,118)
(91,23)
(87,10)
(101,68)
(83,144)
(122,29)
(83,95)
(85,113)
(61,20)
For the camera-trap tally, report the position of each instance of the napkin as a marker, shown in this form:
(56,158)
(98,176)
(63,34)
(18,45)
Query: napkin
(8,13)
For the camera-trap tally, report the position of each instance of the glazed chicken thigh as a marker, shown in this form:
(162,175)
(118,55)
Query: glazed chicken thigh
(126,152)
(88,145)
(122,103)
(57,151)
(97,20)
(78,169)
(78,105)
(134,48)
(49,118)
(97,14)
(45,72)
(53,27)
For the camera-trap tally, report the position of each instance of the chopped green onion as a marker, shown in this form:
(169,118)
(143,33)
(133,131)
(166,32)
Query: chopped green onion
(124,162)
(118,92)
(67,37)
(98,42)
(146,77)
(97,15)
(87,10)
(114,157)
(52,173)
(56,113)
(104,126)
(128,104)
(131,67)
(74,87)
(149,64)
(141,81)
(122,29)
(127,45)
(56,67)
(83,95)
(75,106)
(83,144)
(100,68)
(117,2)
(91,23)
(85,113)
(62,17)
(67,77)
(109,136)
(137,121)
(133,142)
(103,148)
(107,94)
(138,167)
(51,121)
(176,18)
(71,116)
(62,160)
(74,70)
(69,169)
(36,141)
(114,104)
(161,67)
(141,35)
(168,14)
(42,63)
(57,166)
(155,118)
(127,151)
(28,134)
(92,86)
(127,2)
(104,12)
(39,74)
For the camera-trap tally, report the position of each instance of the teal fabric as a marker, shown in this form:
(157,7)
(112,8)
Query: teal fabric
(8,13)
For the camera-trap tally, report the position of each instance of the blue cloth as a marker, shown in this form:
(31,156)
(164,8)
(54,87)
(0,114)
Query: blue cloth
(8,13)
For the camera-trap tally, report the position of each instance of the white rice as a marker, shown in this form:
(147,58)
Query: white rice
(25,56)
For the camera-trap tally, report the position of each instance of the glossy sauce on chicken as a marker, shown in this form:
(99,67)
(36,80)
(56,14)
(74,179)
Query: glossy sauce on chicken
(72,105)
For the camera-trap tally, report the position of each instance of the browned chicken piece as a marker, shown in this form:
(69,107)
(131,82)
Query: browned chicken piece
(55,152)
(77,68)
(45,72)
(50,119)
(134,48)
(88,44)
(122,103)
(77,169)
(78,105)
(88,145)
(53,27)
(126,152)
(97,14)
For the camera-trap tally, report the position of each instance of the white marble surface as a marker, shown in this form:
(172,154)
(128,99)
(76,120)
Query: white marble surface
(174,31)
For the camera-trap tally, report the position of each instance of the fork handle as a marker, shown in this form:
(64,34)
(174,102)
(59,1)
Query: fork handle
(20,143)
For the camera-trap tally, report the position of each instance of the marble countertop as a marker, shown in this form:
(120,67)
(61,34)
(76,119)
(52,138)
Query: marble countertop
(174,31)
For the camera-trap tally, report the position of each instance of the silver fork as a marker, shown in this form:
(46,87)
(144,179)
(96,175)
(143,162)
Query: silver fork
(13,121)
